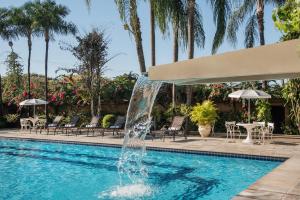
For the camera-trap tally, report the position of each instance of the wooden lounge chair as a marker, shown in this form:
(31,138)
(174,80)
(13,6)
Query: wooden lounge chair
(176,128)
(71,127)
(117,127)
(54,125)
(92,126)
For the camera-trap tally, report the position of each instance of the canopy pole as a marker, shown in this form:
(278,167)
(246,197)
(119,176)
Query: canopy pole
(249,114)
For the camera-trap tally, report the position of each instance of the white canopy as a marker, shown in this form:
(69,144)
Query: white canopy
(32,102)
(250,94)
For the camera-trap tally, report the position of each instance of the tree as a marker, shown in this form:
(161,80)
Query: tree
(49,19)
(287,19)
(253,11)
(14,74)
(23,20)
(129,16)
(92,53)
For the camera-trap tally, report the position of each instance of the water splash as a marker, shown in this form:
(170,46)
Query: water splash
(138,123)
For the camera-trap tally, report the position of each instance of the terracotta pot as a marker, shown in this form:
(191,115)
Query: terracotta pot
(204,130)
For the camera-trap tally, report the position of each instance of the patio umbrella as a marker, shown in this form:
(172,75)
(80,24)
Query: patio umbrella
(249,94)
(33,102)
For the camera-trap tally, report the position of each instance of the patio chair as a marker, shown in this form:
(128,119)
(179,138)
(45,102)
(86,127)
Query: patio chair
(92,126)
(25,124)
(54,125)
(71,127)
(117,127)
(258,131)
(38,124)
(230,132)
(267,132)
(176,128)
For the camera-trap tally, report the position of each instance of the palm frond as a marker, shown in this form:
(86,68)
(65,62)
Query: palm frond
(237,18)
(221,12)
(124,9)
(198,28)
(251,34)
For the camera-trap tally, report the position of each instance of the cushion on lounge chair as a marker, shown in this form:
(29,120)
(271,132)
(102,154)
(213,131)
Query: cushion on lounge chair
(115,127)
(52,125)
(91,126)
(70,125)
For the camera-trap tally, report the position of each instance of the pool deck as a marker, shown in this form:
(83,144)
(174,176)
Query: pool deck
(282,183)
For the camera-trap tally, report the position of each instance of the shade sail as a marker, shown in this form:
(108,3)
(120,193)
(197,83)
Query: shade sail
(275,61)
(249,94)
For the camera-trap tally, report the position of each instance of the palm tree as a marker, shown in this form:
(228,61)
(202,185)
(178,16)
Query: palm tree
(49,19)
(253,11)
(23,20)
(129,16)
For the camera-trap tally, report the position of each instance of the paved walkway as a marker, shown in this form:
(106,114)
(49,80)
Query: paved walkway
(282,183)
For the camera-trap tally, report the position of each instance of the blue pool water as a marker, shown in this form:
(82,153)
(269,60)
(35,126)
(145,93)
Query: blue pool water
(40,170)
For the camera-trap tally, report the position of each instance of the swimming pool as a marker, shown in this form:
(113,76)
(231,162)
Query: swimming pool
(43,170)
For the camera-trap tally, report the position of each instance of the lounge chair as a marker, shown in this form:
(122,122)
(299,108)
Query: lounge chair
(71,127)
(176,128)
(92,126)
(54,125)
(117,127)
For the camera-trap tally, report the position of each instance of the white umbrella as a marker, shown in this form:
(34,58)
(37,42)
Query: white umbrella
(33,102)
(249,94)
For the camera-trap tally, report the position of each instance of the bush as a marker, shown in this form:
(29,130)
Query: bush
(12,118)
(204,114)
(108,120)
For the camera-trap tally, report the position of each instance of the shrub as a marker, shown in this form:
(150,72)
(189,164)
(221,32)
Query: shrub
(263,110)
(204,114)
(108,120)
(12,118)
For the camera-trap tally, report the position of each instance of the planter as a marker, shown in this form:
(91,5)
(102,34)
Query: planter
(204,130)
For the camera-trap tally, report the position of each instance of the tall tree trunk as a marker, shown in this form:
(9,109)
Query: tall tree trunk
(46,73)
(175,58)
(28,65)
(191,31)
(1,102)
(91,88)
(260,19)
(152,37)
(98,78)
(136,29)
(28,71)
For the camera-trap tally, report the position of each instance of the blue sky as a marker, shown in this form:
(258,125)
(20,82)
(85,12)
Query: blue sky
(104,14)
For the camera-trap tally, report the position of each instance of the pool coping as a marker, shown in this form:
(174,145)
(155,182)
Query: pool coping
(283,182)
(175,150)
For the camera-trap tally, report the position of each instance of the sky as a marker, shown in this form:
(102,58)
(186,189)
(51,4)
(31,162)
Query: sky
(104,15)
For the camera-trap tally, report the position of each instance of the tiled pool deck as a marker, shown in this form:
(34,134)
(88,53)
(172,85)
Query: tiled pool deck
(282,183)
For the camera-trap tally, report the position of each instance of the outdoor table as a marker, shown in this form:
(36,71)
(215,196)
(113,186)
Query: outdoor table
(249,127)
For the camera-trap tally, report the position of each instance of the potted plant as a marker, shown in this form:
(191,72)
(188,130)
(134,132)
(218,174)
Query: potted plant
(204,115)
